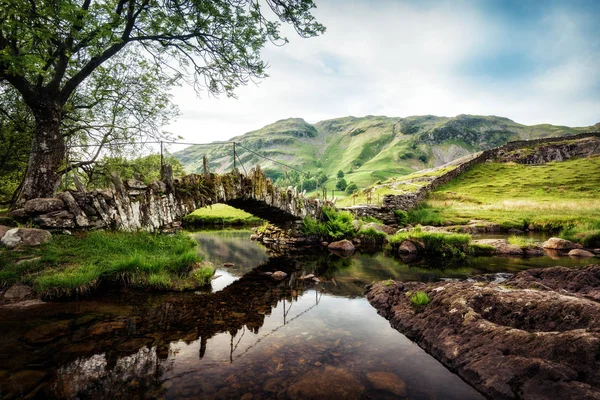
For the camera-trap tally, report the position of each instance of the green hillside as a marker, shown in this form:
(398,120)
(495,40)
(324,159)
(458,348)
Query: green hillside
(367,149)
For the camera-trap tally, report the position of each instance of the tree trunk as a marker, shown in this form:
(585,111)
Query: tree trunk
(47,155)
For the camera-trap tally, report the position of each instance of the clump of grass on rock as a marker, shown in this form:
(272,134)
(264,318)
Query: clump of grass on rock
(75,264)
(434,244)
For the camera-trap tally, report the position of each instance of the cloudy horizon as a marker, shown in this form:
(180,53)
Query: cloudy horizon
(532,62)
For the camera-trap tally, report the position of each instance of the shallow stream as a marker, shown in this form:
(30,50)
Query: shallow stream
(248,337)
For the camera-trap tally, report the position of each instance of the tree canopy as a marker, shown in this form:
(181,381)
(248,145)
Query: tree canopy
(49,48)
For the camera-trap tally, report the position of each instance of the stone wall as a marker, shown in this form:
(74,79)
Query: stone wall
(536,151)
(133,205)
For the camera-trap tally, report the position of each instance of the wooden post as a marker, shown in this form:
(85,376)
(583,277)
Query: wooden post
(205,165)
(162,158)
(234,156)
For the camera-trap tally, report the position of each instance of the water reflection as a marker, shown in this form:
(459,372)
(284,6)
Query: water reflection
(254,338)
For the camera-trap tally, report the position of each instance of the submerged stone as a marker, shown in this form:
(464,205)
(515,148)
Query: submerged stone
(581,253)
(387,381)
(326,383)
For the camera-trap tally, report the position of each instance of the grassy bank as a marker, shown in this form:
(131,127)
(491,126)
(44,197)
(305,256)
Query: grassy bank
(76,264)
(554,196)
(220,214)
(433,244)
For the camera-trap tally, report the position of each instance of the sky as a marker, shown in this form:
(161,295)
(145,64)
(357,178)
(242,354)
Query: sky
(531,61)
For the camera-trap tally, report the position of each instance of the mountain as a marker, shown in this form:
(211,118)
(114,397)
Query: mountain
(366,149)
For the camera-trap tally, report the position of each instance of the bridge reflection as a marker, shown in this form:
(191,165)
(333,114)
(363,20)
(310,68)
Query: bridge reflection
(71,343)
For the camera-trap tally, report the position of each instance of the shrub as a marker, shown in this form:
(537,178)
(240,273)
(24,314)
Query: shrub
(341,184)
(401,217)
(334,225)
(351,188)
(419,299)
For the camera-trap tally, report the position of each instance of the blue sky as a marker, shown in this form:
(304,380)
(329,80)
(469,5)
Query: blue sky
(531,61)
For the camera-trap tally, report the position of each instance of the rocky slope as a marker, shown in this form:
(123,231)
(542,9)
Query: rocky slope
(537,336)
(367,149)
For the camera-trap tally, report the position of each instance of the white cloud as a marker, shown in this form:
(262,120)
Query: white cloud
(401,59)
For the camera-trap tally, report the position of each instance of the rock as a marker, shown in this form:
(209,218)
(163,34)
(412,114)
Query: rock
(48,332)
(102,328)
(25,237)
(309,276)
(80,217)
(326,383)
(279,275)
(342,245)
(3,230)
(596,251)
(158,187)
(228,264)
(43,205)
(581,253)
(508,341)
(502,247)
(18,292)
(356,224)
(135,184)
(407,247)
(324,244)
(24,382)
(18,213)
(555,243)
(387,381)
(55,219)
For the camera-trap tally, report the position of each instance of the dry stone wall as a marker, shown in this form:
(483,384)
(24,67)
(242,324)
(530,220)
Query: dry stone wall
(133,205)
(536,151)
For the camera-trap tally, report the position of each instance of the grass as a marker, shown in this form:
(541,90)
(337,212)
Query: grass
(434,244)
(220,214)
(371,237)
(419,299)
(76,264)
(554,196)
(333,225)
(521,241)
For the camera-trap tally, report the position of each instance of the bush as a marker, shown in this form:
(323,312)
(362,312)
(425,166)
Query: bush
(419,299)
(334,225)
(341,184)
(351,188)
(401,217)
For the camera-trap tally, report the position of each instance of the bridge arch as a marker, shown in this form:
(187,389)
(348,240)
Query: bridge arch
(133,205)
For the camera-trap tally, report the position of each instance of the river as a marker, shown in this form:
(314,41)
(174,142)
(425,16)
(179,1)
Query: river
(249,336)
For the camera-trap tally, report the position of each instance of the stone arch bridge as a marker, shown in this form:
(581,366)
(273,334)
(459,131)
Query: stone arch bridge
(133,205)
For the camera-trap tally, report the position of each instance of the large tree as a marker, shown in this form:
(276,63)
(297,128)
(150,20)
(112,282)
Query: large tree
(48,48)
(113,112)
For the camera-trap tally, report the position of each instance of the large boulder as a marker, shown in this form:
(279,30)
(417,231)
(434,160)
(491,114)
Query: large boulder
(507,342)
(25,237)
(581,253)
(342,245)
(43,205)
(555,243)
